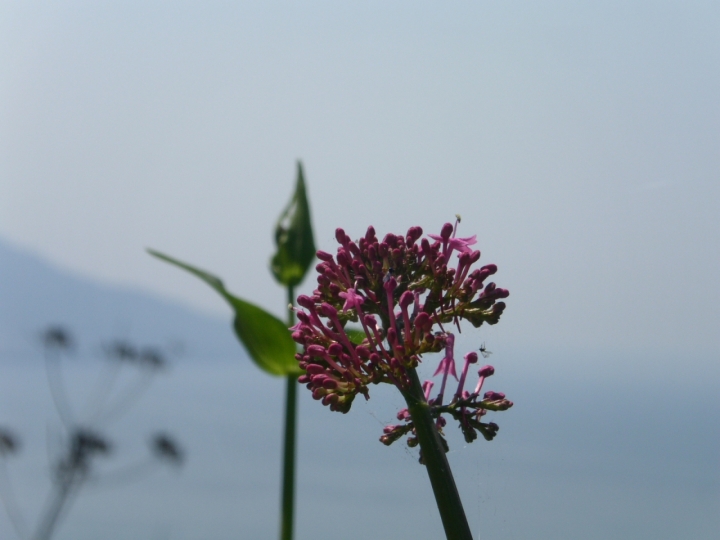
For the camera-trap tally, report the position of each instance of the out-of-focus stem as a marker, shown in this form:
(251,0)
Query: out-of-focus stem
(441,478)
(288,483)
(8,499)
(60,496)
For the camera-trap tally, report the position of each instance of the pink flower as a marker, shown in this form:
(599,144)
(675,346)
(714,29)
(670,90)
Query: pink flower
(462,244)
(352,300)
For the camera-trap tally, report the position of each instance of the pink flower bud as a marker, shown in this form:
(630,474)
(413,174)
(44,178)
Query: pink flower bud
(327,310)
(342,258)
(370,320)
(413,235)
(423,321)
(406,299)
(315,369)
(490,269)
(317,351)
(390,239)
(486,371)
(390,284)
(340,236)
(305,301)
(392,336)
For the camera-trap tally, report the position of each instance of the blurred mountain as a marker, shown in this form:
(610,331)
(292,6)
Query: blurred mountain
(35,294)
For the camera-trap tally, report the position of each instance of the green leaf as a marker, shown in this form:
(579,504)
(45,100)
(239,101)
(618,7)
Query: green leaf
(294,238)
(265,337)
(356,335)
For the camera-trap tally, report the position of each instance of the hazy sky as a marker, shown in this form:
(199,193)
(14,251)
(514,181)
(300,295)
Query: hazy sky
(579,140)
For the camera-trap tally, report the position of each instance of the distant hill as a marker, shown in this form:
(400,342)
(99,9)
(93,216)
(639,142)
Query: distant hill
(35,294)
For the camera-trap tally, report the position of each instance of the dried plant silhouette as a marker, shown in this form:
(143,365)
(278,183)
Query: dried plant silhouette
(83,432)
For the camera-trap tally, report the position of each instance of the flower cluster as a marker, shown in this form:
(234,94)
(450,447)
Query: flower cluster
(401,293)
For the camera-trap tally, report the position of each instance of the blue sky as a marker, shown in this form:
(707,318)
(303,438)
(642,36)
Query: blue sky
(579,140)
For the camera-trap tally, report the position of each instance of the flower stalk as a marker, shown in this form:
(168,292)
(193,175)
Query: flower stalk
(438,469)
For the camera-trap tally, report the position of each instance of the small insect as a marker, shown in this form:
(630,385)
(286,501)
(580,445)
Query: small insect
(485,353)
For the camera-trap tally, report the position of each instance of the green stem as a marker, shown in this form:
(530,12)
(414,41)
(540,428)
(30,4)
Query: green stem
(441,478)
(288,482)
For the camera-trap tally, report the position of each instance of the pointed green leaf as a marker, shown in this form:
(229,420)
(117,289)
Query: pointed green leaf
(294,238)
(265,337)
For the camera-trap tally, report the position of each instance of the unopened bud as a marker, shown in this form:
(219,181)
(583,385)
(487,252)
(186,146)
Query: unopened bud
(305,301)
(316,350)
(423,321)
(390,283)
(406,299)
(340,235)
(328,310)
(315,369)
(486,371)
(413,234)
